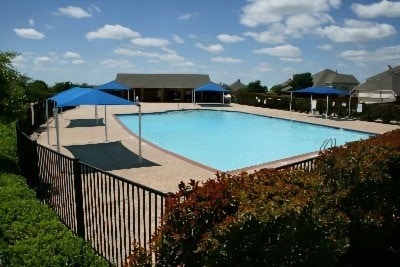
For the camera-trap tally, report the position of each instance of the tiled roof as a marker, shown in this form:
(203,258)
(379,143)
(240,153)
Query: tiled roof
(175,81)
(387,80)
(237,85)
(330,77)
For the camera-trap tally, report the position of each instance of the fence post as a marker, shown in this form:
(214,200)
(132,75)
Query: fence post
(80,223)
(35,165)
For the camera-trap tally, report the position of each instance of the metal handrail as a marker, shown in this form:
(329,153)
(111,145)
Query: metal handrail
(329,141)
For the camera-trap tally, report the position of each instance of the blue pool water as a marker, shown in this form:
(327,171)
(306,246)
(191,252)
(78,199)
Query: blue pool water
(227,140)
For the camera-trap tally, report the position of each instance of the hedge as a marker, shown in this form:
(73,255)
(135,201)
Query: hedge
(30,233)
(338,106)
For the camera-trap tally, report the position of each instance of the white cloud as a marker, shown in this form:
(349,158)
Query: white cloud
(185,16)
(212,48)
(112,32)
(29,34)
(71,55)
(31,22)
(267,37)
(19,60)
(78,61)
(325,47)
(226,60)
(357,31)
(382,9)
(94,8)
(289,59)
(265,12)
(384,54)
(299,25)
(171,58)
(226,38)
(74,12)
(40,60)
(132,52)
(150,42)
(117,63)
(177,39)
(283,51)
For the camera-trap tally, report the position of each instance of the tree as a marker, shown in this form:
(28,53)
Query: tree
(37,91)
(302,80)
(61,86)
(256,87)
(277,89)
(13,98)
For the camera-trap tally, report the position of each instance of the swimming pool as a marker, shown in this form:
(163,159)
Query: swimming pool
(227,140)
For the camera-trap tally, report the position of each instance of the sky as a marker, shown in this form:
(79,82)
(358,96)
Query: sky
(266,40)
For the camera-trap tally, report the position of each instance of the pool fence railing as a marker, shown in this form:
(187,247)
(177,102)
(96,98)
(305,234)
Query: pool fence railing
(108,211)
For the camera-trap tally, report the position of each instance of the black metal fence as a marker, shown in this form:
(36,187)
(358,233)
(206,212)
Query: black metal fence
(109,211)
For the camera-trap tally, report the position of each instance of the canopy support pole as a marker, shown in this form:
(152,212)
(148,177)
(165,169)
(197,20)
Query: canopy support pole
(327,106)
(140,134)
(105,121)
(312,110)
(290,103)
(96,115)
(349,105)
(55,115)
(47,121)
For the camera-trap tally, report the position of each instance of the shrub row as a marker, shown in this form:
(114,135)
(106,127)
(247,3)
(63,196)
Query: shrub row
(345,212)
(338,106)
(30,233)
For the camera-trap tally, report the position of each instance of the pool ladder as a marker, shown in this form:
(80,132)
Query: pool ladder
(328,143)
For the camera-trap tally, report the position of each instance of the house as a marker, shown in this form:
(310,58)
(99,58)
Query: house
(237,86)
(381,88)
(334,79)
(163,87)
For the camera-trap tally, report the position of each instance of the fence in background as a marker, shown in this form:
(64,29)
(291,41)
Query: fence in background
(109,211)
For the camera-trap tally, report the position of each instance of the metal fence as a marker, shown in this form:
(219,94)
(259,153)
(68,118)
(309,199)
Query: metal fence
(109,211)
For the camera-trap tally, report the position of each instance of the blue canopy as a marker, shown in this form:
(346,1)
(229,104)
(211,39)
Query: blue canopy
(66,95)
(213,87)
(322,91)
(113,85)
(91,97)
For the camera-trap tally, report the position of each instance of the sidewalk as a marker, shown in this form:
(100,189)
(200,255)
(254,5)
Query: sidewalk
(82,138)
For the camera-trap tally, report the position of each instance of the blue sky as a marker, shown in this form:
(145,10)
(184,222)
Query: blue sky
(267,40)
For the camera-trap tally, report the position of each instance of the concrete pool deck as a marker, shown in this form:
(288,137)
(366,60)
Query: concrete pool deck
(81,137)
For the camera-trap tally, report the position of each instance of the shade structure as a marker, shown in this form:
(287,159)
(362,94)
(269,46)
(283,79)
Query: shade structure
(82,96)
(209,87)
(90,97)
(322,91)
(113,85)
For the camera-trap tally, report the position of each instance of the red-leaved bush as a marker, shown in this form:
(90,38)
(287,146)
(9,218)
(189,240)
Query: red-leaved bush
(344,212)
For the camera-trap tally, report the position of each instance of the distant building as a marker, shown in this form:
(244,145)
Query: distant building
(334,79)
(163,87)
(381,88)
(237,86)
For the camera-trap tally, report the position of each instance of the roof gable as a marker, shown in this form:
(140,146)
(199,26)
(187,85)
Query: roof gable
(388,80)
(176,81)
(330,77)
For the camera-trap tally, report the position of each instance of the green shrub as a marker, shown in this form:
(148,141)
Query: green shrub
(32,235)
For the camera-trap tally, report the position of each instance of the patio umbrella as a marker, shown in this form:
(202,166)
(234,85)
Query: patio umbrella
(322,91)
